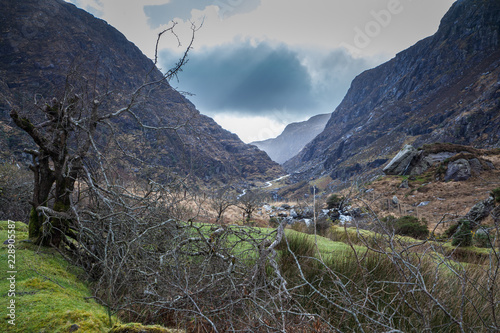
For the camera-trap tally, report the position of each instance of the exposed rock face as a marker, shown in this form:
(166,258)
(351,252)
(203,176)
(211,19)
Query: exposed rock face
(480,211)
(461,162)
(459,170)
(445,88)
(400,164)
(294,137)
(41,41)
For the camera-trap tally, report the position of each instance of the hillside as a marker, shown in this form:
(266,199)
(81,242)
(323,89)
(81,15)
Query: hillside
(445,88)
(293,138)
(44,42)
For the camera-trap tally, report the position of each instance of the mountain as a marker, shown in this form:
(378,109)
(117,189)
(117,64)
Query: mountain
(293,138)
(44,42)
(445,88)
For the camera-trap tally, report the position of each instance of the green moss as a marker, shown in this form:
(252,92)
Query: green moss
(20,227)
(26,124)
(496,194)
(49,296)
(34,224)
(138,328)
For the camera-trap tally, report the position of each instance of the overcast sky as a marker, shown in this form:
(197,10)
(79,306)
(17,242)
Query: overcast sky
(258,65)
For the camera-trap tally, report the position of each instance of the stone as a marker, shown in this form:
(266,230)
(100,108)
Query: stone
(495,213)
(404,184)
(344,219)
(424,203)
(395,200)
(421,166)
(459,170)
(334,214)
(356,212)
(307,213)
(267,208)
(475,166)
(401,162)
(293,213)
(74,328)
(480,211)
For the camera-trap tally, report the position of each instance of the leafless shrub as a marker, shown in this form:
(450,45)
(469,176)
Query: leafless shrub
(16,187)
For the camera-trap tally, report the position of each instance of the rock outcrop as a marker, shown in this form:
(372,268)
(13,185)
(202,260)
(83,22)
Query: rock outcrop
(445,88)
(400,164)
(458,170)
(480,211)
(460,162)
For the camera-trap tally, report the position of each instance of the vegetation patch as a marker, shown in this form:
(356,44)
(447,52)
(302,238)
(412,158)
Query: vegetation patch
(408,226)
(49,296)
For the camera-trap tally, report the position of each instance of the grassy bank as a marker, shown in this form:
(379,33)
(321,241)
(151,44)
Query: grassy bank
(48,296)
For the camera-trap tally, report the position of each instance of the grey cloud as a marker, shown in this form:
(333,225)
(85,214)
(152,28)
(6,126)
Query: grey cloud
(161,14)
(335,72)
(247,79)
(268,81)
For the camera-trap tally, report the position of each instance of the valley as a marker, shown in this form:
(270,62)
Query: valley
(138,213)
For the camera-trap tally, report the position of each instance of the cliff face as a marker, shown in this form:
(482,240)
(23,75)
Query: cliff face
(42,41)
(446,88)
(294,137)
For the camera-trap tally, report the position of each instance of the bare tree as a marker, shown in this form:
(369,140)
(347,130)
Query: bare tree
(220,200)
(250,201)
(70,133)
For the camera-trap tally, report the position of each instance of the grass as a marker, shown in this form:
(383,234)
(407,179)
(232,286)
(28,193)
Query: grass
(327,248)
(49,296)
(377,283)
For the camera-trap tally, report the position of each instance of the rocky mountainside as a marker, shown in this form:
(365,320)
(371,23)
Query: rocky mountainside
(446,88)
(42,41)
(293,138)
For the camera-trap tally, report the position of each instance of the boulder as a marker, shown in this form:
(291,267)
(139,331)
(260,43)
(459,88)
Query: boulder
(459,170)
(419,165)
(404,184)
(495,213)
(334,214)
(267,208)
(475,166)
(307,213)
(400,163)
(480,211)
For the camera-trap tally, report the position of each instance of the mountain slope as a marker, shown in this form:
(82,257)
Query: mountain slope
(42,42)
(293,138)
(446,88)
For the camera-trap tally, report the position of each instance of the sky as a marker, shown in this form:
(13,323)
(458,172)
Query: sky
(258,65)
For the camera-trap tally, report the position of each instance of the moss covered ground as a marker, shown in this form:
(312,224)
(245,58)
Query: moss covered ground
(48,295)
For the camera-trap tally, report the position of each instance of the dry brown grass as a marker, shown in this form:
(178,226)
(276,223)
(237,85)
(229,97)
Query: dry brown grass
(447,200)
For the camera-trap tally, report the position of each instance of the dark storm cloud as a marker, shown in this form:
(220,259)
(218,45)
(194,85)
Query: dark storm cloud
(161,14)
(247,79)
